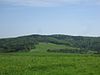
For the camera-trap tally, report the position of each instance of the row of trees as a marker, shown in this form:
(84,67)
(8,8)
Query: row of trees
(86,44)
(17,44)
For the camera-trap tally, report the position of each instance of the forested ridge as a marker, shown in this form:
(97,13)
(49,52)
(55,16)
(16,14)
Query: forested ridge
(79,44)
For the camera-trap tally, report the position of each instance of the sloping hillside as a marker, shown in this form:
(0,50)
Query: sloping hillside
(27,43)
(44,47)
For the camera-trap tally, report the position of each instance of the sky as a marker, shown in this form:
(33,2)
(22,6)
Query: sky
(46,17)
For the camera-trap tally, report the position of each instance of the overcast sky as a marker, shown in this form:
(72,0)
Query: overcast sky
(70,17)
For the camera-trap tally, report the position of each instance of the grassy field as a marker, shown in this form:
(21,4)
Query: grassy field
(49,64)
(43,47)
(42,63)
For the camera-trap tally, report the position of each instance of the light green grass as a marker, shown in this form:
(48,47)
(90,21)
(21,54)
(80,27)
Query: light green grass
(43,47)
(49,64)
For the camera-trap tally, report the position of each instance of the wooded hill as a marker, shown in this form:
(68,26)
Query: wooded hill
(79,44)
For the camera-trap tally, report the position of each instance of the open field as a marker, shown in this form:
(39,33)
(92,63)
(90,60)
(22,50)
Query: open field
(40,62)
(49,64)
(43,47)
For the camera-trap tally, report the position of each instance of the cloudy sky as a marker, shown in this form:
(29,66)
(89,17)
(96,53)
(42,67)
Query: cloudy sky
(70,17)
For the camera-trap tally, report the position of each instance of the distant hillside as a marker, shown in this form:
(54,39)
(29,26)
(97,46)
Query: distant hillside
(79,44)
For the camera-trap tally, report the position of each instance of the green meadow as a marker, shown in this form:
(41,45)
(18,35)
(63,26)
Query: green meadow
(43,47)
(40,62)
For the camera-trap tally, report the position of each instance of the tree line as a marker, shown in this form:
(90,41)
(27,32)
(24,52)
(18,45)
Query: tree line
(27,43)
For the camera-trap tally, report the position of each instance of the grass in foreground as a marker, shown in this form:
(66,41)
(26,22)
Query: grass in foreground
(49,64)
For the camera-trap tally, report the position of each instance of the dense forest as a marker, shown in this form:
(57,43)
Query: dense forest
(80,44)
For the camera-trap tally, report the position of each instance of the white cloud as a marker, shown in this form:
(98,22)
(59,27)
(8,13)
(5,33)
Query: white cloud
(48,2)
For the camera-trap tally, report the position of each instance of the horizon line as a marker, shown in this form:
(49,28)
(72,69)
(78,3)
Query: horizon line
(47,35)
